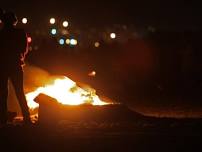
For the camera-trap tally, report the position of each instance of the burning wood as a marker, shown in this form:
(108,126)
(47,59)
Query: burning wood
(65,91)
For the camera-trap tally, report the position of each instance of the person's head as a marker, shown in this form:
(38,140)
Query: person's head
(10,19)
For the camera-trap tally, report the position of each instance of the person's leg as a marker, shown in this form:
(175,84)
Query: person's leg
(17,81)
(3,98)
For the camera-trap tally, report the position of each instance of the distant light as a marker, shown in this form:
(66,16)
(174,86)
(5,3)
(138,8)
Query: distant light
(67,41)
(29,39)
(52,21)
(73,42)
(65,24)
(97,44)
(92,74)
(61,41)
(113,35)
(53,31)
(24,20)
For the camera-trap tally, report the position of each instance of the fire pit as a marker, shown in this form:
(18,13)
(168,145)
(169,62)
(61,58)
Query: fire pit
(66,92)
(65,100)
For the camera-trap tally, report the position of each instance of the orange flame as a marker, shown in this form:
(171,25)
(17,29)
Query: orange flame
(65,91)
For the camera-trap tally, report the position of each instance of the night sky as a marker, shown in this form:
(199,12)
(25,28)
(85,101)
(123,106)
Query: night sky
(162,14)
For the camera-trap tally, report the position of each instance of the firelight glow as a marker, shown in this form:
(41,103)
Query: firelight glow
(66,92)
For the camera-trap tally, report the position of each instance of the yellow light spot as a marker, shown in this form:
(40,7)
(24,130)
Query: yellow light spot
(52,21)
(97,44)
(113,35)
(65,24)
(73,42)
(24,20)
(67,41)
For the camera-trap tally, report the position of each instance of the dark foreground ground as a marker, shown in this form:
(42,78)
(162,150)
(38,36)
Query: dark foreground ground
(138,136)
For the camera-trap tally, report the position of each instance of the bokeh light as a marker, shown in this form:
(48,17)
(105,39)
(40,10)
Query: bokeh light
(113,35)
(52,21)
(67,41)
(73,42)
(97,44)
(53,31)
(61,41)
(65,24)
(24,20)
(29,39)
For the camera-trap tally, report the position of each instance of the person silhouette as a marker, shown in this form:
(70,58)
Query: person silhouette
(13,47)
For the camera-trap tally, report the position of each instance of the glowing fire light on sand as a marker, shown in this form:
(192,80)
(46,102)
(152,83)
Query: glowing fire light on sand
(66,92)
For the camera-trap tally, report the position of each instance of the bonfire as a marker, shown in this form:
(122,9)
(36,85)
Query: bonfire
(66,92)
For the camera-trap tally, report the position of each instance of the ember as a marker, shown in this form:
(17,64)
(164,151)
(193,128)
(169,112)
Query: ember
(65,91)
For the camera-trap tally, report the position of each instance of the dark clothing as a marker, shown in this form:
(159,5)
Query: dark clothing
(13,46)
